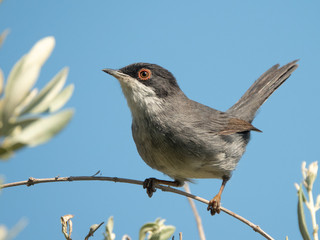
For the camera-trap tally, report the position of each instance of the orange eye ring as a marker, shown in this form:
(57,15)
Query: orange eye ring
(144,74)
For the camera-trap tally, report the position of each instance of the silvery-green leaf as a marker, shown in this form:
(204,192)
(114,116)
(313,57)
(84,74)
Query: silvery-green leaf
(125,237)
(301,217)
(145,229)
(16,126)
(312,172)
(43,100)
(1,81)
(61,99)
(3,36)
(160,222)
(17,228)
(154,236)
(109,228)
(7,151)
(3,232)
(5,154)
(166,232)
(14,74)
(25,102)
(24,74)
(24,122)
(41,130)
(110,224)
(1,109)
(317,203)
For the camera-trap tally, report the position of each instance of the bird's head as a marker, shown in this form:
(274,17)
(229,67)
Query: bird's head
(145,85)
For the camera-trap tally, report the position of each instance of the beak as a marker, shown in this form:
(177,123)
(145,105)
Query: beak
(115,73)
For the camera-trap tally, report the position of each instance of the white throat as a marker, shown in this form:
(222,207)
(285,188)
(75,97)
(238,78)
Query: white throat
(140,98)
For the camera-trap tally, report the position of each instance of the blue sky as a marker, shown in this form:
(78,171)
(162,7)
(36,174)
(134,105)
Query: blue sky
(216,49)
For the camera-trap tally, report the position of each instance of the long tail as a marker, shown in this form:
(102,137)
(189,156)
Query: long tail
(261,90)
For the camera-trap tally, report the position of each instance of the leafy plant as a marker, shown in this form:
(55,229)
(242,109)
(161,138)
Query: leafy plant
(153,231)
(309,176)
(22,109)
(9,234)
(156,230)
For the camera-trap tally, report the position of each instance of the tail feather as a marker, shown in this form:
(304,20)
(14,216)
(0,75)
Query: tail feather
(261,90)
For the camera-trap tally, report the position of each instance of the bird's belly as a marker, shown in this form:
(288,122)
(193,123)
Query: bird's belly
(179,166)
(190,158)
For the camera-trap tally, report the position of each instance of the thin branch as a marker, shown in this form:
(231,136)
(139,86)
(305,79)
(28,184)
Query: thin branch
(92,231)
(195,213)
(32,181)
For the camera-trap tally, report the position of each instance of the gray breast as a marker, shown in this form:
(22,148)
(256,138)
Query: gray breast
(185,152)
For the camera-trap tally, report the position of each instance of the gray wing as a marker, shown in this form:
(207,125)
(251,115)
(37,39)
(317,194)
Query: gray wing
(209,120)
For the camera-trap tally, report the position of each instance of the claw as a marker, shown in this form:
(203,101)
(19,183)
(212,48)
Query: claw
(149,185)
(214,205)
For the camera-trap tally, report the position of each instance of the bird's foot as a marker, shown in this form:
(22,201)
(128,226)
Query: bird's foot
(149,185)
(214,205)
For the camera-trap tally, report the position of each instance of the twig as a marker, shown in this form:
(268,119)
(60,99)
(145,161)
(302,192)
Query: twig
(32,181)
(92,231)
(195,213)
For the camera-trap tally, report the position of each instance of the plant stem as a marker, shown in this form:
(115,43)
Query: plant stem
(195,213)
(313,215)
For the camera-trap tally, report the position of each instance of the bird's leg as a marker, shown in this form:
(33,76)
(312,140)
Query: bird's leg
(150,184)
(214,203)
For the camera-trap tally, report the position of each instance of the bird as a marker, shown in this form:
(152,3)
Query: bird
(185,139)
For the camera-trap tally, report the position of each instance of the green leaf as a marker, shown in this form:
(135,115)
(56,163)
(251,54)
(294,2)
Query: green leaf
(3,232)
(109,229)
(17,228)
(20,124)
(7,152)
(125,237)
(1,123)
(164,234)
(1,81)
(3,35)
(154,236)
(43,100)
(24,103)
(10,102)
(301,217)
(61,99)
(110,224)
(42,130)
(157,230)
(167,232)
(24,74)
(145,229)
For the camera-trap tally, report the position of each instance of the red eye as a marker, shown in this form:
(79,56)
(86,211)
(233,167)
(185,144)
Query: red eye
(144,74)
